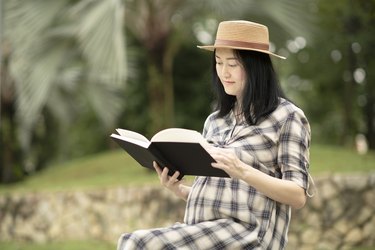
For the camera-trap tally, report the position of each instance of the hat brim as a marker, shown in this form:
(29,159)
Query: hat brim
(212,48)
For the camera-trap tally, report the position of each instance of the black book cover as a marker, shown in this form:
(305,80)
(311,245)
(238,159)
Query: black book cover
(186,157)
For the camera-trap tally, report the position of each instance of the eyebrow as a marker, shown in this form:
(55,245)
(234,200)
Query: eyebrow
(229,58)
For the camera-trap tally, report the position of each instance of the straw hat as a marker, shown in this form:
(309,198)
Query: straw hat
(242,35)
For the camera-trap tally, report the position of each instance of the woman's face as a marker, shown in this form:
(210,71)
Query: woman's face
(230,71)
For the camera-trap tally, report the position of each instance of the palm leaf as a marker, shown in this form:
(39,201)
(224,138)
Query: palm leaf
(46,38)
(100,33)
(25,22)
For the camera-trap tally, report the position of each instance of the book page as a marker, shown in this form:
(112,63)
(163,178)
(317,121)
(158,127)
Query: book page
(133,137)
(180,135)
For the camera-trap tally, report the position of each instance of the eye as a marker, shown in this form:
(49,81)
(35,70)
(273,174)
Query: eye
(219,63)
(233,63)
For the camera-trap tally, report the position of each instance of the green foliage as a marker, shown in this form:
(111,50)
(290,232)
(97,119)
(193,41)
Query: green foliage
(135,114)
(65,61)
(333,75)
(193,94)
(62,60)
(59,49)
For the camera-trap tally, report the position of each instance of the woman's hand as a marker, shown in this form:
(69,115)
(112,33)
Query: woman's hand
(228,161)
(171,182)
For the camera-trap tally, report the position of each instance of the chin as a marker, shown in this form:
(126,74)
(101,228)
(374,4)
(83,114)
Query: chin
(230,93)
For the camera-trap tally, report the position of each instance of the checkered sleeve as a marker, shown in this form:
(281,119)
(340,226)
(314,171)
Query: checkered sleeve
(293,152)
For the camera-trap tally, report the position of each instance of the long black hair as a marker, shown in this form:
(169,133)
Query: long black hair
(261,92)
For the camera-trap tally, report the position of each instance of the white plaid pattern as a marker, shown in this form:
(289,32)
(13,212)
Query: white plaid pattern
(224,213)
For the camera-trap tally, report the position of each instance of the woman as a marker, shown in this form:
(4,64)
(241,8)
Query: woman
(259,138)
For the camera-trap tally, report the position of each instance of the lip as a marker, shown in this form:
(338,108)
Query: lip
(228,82)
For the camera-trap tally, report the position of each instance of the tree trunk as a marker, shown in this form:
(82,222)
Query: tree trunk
(161,98)
(157,100)
(351,28)
(161,88)
(349,97)
(369,109)
(370,114)
(10,153)
(10,150)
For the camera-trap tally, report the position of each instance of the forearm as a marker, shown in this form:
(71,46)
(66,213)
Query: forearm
(283,191)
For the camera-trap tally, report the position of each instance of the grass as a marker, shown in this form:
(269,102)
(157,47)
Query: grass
(103,170)
(115,168)
(326,159)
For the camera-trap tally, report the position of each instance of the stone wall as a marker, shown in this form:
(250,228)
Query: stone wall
(340,216)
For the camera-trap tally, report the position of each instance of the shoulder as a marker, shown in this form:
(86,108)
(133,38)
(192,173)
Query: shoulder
(214,115)
(211,118)
(287,110)
(290,116)
(286,116)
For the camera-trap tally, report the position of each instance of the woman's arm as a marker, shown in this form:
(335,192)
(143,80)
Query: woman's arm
(283,191)
(172,183)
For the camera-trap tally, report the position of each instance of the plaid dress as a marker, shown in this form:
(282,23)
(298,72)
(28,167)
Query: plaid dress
(226,213)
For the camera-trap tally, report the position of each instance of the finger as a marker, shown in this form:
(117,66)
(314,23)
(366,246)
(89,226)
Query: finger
(164,175)
(219,158)
(157,168)
(174,177)
(217,165)
(221,166)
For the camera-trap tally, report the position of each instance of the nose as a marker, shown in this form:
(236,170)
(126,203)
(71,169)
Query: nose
(225,72)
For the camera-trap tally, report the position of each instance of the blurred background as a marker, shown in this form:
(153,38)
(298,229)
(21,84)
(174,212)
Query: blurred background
(73,71)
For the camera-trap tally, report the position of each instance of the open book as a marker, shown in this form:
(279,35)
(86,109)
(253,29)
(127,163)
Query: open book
(177,149)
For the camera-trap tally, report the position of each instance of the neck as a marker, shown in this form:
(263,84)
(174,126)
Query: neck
(237,110)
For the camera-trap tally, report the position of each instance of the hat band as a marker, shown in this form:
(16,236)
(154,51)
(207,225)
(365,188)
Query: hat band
(250,45)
